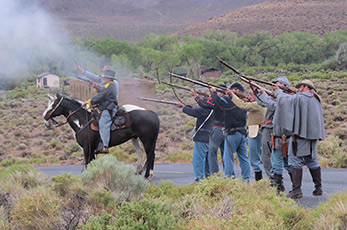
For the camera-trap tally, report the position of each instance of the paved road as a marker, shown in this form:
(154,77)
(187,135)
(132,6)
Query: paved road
(334,180)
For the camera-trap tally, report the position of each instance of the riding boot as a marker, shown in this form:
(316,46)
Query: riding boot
(278,179)
(317,180)
(291,180)
(258,176)
(296,184)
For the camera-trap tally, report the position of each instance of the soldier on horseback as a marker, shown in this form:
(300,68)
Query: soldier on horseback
(106,100)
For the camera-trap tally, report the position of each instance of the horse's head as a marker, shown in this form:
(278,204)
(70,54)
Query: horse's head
(53,109)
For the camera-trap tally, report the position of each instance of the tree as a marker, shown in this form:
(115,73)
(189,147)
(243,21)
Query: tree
(192,56)
(341,55)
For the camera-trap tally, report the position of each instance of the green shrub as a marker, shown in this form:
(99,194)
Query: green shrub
(72,148)
(24,179)
(329,215)
(64,183)
(103,222)
(114,176)
(4,172)
(4,224)
(38,208)
(55,143)
(147,214)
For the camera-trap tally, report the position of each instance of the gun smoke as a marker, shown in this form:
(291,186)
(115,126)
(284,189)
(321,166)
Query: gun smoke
(28,34)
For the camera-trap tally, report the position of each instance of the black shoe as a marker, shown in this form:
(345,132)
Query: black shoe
(258,176)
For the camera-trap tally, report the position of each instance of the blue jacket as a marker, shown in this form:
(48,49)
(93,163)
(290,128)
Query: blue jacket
(201,114)
(235,118)
(218,112)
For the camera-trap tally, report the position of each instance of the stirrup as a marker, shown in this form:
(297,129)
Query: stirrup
(104,150)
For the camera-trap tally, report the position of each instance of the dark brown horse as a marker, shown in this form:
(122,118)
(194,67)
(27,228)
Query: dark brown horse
(144,126)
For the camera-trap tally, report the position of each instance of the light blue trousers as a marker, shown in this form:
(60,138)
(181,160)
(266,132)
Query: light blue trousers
(105,126)
(297,162)
(255,152)
(216,141)
(278,162)
(237,143)
(200,162)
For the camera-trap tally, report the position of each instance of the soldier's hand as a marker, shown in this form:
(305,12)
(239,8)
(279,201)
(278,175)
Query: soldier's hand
(79,69)
(261,91)
(193,92)
(180,105)
(230,92)
(275,87)
(212,89)
(85,103)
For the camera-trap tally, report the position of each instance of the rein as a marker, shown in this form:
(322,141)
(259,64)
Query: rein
(67,118)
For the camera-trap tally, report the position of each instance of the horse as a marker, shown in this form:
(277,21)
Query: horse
(143,129)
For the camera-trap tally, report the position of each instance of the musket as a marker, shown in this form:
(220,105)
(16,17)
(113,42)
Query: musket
(246,79)
(207,85)
(158,101)
(185,88)
(284,88)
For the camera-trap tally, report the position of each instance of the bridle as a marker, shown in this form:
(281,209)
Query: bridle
(57,124)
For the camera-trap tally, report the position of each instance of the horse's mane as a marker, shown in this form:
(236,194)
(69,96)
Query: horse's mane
(74,101)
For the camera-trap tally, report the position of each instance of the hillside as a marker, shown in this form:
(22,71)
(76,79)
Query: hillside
(131,20)
(276,17)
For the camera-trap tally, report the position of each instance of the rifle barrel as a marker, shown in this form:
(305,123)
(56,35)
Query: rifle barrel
(207,85)
(158,101)
(284,88)
(185,88)
(244,78)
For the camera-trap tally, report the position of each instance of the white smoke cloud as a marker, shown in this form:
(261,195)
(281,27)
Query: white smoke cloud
(27,33)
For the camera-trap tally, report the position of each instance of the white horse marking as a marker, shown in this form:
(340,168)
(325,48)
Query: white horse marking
(77,122)
(129,107)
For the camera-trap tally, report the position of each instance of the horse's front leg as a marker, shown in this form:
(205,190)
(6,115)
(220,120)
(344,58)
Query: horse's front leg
(88,154)
(140,155)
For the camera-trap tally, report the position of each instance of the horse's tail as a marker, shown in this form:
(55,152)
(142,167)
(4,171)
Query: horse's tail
(151,157)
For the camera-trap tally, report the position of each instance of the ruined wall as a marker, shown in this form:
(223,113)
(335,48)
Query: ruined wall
(129,90)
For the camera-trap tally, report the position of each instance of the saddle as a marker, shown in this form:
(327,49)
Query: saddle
(120,120)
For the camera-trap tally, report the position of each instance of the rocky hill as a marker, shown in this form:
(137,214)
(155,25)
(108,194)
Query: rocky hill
(131,20)
(279,16)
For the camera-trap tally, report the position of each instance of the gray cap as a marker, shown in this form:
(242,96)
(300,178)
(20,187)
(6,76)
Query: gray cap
(282,79)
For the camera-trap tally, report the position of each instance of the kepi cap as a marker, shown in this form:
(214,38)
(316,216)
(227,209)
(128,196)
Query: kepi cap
(283,79)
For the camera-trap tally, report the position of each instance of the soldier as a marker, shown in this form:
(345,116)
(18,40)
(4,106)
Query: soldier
(99,83)
(202,131)
(278,138)
(255,116)
(235,132)
(302,115)
(106,100)
(216,138)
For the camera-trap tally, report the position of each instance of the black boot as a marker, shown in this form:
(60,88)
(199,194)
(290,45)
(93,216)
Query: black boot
(291,180)
(258,176)
(317,180)
(296,181)
(278,179)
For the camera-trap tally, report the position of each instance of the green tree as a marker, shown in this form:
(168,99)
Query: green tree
(192,56)
(341,55)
